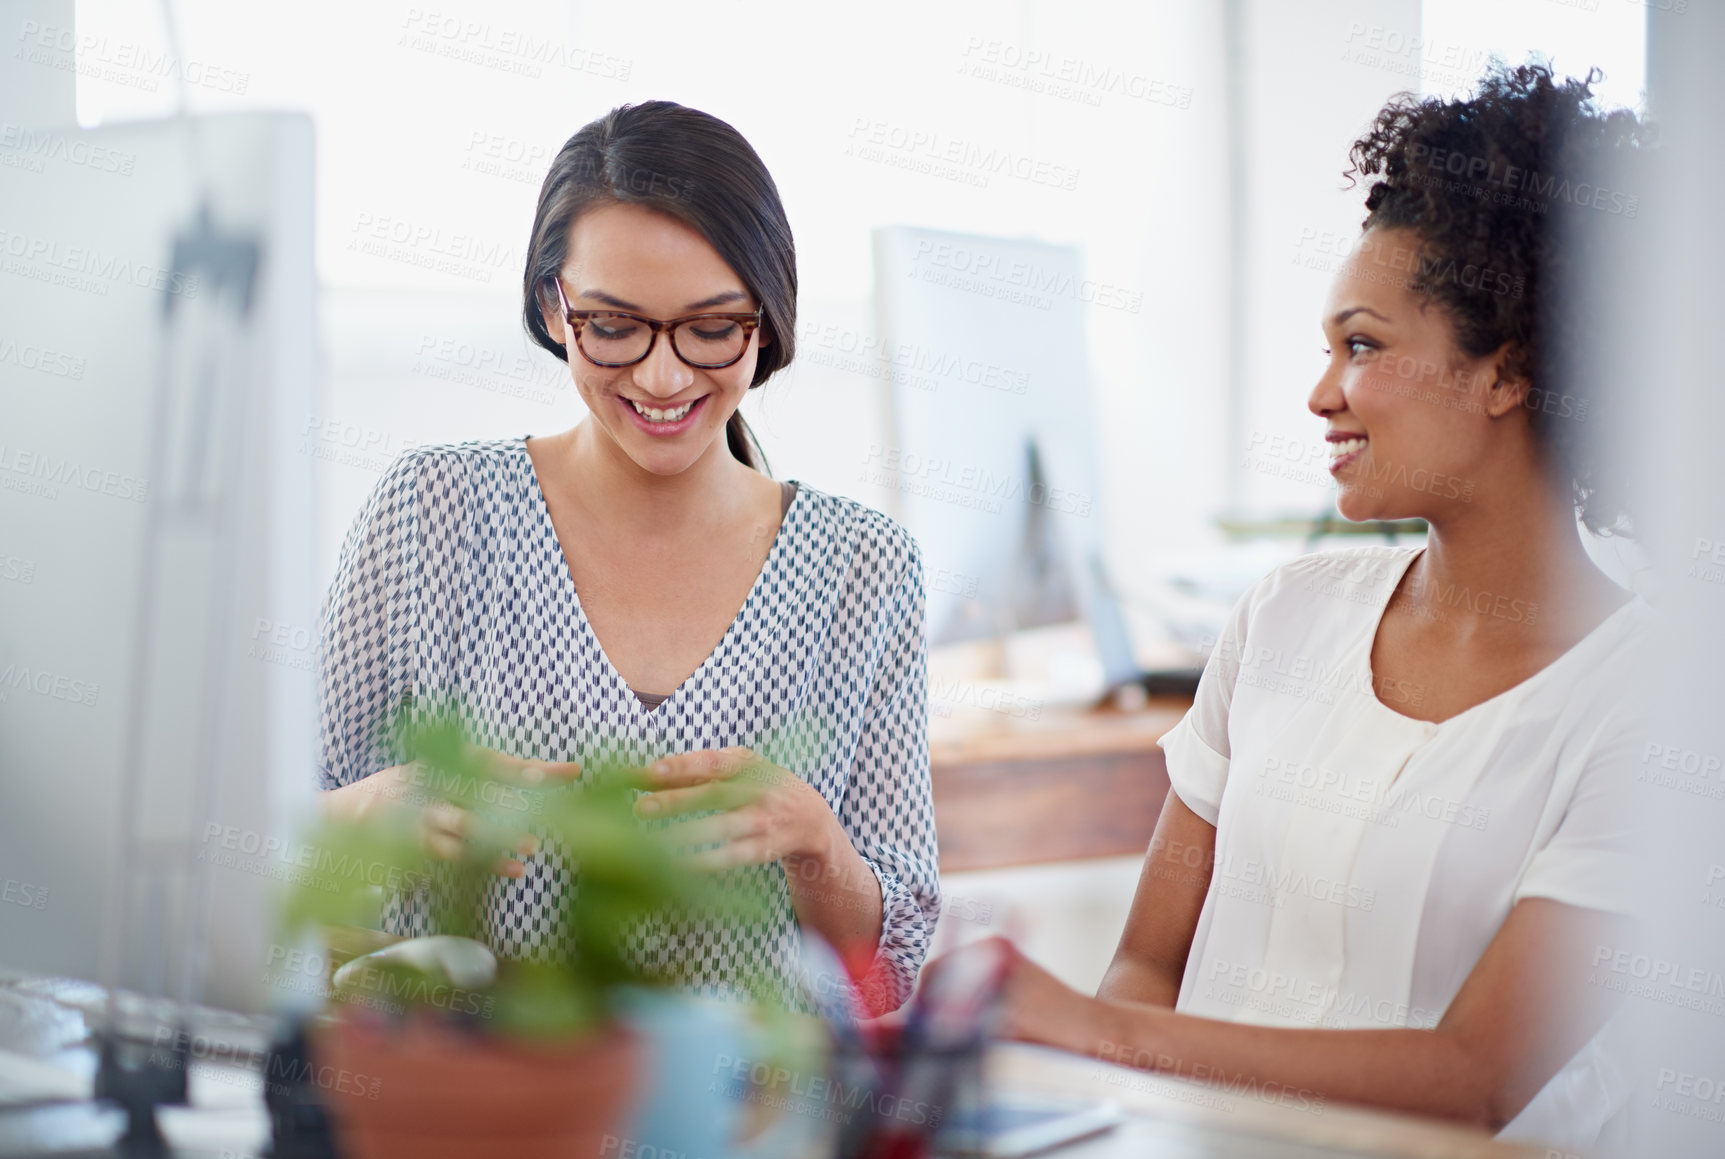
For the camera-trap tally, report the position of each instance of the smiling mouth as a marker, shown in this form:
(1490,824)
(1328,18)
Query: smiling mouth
(654,414)
(1346,451)
(1342,448)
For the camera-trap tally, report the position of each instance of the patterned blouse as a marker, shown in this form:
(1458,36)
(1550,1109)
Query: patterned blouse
(452,583)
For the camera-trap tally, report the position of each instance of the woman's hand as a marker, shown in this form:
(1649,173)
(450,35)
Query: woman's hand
(1035,1005)
(442,826)
(765,813)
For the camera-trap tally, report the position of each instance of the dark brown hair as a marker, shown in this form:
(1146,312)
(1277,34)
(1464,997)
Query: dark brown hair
(1518,195)
(694,167)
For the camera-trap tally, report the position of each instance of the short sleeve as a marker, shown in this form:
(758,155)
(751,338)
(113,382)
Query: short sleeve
(888,808)
(1197,747)
(1590,859)
(365,655)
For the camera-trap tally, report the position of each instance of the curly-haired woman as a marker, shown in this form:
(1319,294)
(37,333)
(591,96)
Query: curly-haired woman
(1395,833)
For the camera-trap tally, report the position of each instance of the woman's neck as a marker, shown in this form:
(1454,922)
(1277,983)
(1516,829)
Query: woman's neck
(602,480)
(1524,547)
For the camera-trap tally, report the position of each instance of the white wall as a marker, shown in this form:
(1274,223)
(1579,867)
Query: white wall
(437,124)
(1313,77)
(409,109)
(1067,916)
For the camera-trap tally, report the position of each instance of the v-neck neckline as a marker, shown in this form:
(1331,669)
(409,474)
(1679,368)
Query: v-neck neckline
(759,605)
(1594,635)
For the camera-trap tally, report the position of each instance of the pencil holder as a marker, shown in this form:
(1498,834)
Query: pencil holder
(900,1097)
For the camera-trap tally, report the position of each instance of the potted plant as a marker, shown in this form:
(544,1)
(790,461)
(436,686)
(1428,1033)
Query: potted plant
(443,1057)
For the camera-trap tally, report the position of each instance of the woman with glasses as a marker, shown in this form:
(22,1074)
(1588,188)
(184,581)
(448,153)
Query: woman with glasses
(1396,861)
(637,589)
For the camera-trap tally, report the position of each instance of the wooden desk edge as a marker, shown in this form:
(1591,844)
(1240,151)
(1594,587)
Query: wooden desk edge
(1076,735)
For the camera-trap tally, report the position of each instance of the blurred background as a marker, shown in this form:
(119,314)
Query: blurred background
(1179,163)
(1191,151)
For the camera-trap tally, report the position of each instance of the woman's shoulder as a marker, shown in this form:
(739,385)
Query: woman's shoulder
(1371,559)
(441,486)
(876,544)
(437,461)
(1359,577)
(448,475)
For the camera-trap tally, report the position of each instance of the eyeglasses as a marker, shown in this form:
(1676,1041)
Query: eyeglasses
(613,338)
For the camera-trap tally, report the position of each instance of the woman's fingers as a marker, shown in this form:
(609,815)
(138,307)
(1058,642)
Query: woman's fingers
(532,774)
(696,799)
(756,850)
(697,768)
(762,813)
(720,827)
(445,829)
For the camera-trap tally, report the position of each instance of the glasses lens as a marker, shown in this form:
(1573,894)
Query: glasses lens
(614,338)
(710,341)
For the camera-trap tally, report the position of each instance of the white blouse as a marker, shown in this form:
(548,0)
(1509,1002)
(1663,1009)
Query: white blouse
(1364,858)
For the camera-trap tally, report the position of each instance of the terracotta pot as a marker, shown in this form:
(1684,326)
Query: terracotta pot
(428,1091)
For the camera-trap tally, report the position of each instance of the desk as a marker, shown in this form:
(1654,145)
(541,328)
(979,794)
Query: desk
(1174,1117)
(1014,791)
(1169,1117)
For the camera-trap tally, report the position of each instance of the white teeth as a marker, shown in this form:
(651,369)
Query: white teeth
(654,415)
(1345,447)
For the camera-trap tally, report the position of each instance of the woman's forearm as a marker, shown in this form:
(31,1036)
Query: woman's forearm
(1428,1072)
(360,799)
(1128,980)
(836,894)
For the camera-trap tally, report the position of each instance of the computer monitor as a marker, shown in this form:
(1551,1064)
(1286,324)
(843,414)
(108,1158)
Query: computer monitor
(158,353)
(992,461)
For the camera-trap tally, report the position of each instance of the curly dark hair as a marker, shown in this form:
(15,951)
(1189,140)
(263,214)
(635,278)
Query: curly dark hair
(1515,194)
